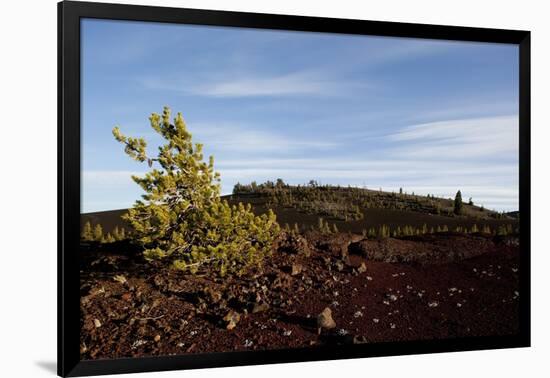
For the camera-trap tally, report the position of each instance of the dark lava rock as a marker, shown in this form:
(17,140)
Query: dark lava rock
(425,250)
(293,244)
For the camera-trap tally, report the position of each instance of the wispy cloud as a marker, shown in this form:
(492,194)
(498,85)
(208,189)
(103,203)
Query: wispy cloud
(459,139)
(310,83)
(246,138)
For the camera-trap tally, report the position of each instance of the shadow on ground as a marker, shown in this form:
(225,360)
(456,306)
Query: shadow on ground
(49,366)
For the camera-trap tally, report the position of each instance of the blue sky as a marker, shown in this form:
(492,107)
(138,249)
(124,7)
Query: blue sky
(377,112)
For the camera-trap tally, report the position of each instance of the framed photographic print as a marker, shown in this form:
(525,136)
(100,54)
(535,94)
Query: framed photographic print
(239,188)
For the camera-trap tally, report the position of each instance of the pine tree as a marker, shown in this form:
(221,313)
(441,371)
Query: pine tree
(181,218)
(108,238)
(98,233)
(383,232)
(119,234)
(320,224)
(87,233)
(372,233)
(502,231)
(458,203)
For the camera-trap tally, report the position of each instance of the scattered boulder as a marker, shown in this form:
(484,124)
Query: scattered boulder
(296,269)
(324,320)
(120,278)
(425,250)
(260,307)
(336,244)
(294,244)
(232,318)
(362,268)
(360,340)
(212,295)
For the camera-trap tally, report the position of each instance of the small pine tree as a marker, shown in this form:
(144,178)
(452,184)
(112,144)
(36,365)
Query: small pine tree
(458,203)
(383,232)
(108,238)
(119,234)
(98,233)
(321,224)
(502,231)
(87,233)
(509,229)
(181,218)
(470,202)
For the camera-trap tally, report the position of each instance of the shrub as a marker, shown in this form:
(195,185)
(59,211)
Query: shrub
(181,218)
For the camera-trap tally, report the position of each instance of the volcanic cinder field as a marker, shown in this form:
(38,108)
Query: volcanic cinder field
(389,267)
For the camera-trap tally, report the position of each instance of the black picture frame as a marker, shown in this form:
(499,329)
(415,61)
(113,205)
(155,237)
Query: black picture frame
(69,15)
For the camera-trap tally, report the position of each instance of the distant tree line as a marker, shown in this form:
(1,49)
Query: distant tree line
(348,203)
(95,234)
(384,231)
